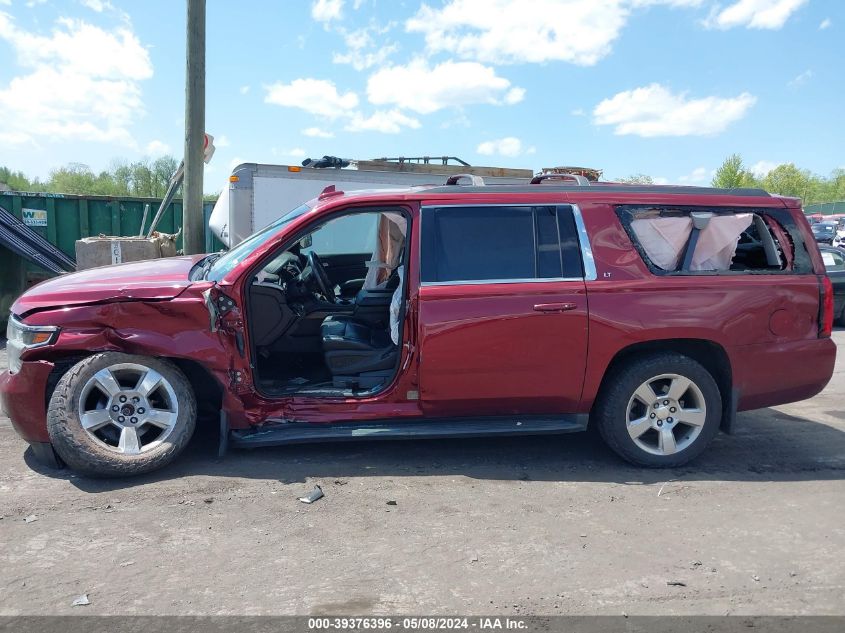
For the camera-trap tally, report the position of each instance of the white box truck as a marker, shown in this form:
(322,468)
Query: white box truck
(256,195)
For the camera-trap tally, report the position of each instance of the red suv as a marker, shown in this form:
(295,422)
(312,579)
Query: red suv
(655,313)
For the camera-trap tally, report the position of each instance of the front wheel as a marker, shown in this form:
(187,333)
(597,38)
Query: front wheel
(659,411)
(115,414)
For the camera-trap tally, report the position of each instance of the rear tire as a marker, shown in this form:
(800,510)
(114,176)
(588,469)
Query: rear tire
(659,411)
(116,415)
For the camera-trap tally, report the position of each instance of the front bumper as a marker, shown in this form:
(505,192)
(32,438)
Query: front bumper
(23,399)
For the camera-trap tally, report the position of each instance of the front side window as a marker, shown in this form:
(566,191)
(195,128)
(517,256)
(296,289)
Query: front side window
(345,235)
(499,243)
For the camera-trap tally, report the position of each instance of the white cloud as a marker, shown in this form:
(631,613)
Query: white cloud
(825,24)
(502,31)
(578,112)
(359,60)
(316,132)
(509,146)
(514,95)
(221,141)
(754,14)
(761,168)
(244,90)
(387,122)
(317,96)
(157,148)
(656,111)
(801,79)
(423,89)
(296,152)
(81,82)
(77,46)
(362,49)
(327,10)
(97,5)
(698,176)
(461,120)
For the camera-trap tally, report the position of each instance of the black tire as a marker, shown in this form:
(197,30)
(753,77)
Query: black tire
(611,412)
(85,454)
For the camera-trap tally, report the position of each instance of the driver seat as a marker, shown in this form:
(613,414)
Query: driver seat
(358,355)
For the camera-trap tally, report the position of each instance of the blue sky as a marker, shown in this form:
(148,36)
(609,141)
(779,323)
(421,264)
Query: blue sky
(662,87)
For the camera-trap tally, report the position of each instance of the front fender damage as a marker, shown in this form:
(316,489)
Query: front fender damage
(176,330)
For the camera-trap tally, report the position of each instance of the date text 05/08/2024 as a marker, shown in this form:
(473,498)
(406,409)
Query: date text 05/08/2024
(417,623)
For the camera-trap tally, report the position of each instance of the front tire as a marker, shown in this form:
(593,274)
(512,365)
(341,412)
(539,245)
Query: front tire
(659,411)
(115,415)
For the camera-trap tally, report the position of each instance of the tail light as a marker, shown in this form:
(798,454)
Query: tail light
(826,308)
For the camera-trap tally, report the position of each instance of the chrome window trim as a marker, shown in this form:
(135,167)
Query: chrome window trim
(587,259)
(488,282)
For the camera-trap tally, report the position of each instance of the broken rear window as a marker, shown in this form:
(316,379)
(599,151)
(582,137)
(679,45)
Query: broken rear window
(687,240)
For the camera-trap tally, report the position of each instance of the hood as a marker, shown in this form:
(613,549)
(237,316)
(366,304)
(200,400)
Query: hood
(164,278)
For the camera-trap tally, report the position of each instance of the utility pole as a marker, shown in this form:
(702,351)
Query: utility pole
(193,235)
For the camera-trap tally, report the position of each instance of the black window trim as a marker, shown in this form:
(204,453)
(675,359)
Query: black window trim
(587,260)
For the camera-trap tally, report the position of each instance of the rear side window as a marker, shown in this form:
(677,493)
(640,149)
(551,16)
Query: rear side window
(499,243)
(694,240)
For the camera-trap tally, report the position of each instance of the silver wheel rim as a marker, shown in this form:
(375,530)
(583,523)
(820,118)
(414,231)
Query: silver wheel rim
(128,408)
(666,414)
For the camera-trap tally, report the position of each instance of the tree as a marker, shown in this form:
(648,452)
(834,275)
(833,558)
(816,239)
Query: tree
(788,180)
(74,178)
(732,173)
(16,180)
(163,168)
(638,179)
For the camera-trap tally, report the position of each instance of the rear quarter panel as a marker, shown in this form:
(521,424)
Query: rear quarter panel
(765,323)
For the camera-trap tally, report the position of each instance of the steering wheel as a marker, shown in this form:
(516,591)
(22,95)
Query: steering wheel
(320,275)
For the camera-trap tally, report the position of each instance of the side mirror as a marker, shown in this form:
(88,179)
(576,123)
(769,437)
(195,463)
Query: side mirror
(306,242)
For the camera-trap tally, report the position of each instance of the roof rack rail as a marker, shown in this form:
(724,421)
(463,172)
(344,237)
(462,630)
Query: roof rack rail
(475,181)
(424,160)
(579,180)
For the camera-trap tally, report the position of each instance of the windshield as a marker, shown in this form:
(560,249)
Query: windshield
(823,228)
(237,254)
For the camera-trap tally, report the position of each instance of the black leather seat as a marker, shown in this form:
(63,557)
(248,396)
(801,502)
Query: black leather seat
(357,354)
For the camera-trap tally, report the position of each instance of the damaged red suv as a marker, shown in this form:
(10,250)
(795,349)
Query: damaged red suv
(655,313)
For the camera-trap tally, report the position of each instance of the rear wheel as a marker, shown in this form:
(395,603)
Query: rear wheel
(115,414)
(659,411)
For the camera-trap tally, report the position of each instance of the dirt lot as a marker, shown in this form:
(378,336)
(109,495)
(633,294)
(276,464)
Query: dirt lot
(506,526)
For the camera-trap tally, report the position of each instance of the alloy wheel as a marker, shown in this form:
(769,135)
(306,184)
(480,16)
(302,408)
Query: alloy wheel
(666,414)
(128,408)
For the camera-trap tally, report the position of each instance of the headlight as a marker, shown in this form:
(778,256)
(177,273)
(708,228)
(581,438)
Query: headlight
(22,337)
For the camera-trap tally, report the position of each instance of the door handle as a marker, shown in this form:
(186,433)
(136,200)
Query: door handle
(555,307)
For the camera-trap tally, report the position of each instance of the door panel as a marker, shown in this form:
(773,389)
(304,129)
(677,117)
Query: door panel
(503,348)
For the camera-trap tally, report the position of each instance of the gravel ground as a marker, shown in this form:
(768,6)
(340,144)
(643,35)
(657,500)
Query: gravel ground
(554,525)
